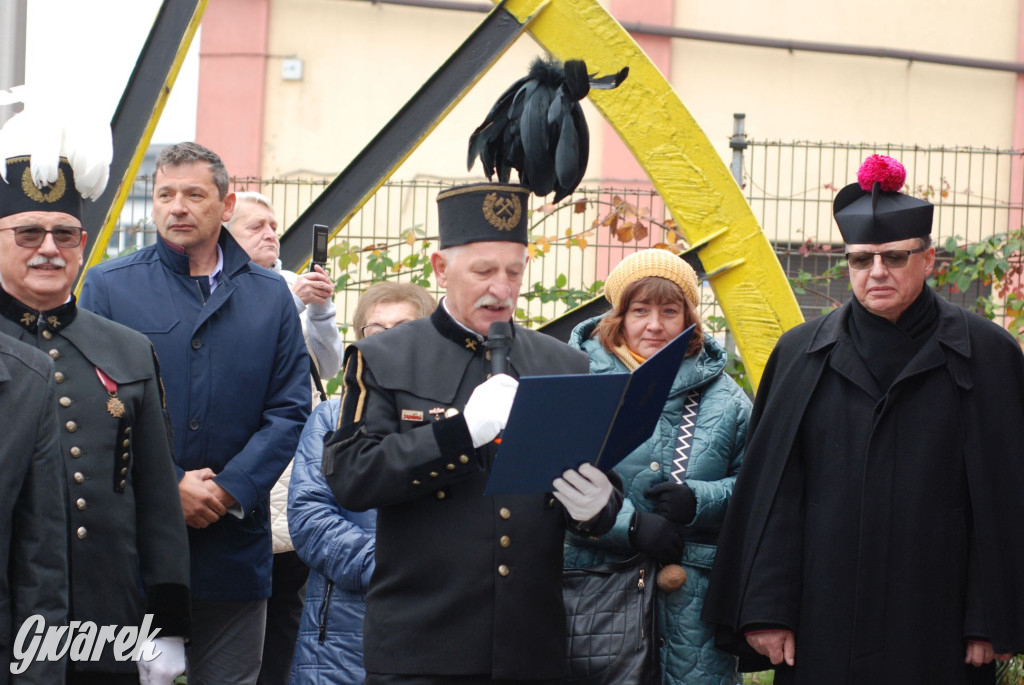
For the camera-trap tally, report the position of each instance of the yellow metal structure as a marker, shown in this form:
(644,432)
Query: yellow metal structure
(691,178)
(99,245)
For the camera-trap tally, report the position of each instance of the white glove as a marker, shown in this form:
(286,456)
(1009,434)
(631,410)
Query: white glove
(486,413)
(168,663)
(584,492)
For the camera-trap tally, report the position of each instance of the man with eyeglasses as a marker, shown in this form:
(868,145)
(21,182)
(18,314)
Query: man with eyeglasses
(873,534)
(127,544)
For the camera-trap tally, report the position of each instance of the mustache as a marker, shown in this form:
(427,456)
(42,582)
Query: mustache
(492,301)
(40,260)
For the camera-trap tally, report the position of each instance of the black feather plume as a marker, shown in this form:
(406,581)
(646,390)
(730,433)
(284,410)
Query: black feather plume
(537,127)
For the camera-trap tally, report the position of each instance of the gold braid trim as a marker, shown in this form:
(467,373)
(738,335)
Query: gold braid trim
(361,402)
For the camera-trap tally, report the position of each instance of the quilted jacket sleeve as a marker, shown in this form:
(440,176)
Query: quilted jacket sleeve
(326,537)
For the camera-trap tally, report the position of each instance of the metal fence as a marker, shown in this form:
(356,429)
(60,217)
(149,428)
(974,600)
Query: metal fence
(576,243)
(789,185)
(977,192)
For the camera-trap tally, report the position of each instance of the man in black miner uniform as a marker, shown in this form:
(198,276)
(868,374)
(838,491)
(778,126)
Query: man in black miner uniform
(467,587)
(128,544)
(873,534)
(33,518)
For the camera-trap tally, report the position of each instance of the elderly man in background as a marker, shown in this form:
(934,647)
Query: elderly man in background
(237,379)
(254,226)
(129,547)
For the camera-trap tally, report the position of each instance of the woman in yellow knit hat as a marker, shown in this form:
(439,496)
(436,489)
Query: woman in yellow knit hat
(678,483)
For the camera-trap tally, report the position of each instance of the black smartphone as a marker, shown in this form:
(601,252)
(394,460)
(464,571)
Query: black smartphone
(319,246)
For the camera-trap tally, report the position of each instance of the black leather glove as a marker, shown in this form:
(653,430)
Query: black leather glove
(676,501)
(657,536)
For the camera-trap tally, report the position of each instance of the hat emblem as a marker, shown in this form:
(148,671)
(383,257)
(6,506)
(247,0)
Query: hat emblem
(502,211)
(50,194)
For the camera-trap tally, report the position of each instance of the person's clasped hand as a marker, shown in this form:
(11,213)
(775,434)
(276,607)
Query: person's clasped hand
(487,410)
(657,536)
(161,660)
(583,492)
(675,501)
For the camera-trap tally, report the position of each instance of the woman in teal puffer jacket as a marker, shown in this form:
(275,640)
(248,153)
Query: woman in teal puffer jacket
(672,512)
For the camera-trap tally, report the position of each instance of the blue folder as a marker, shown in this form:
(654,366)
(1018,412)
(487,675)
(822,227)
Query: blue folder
(560,422)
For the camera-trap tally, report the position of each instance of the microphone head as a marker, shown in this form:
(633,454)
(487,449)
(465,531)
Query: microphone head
(499,334)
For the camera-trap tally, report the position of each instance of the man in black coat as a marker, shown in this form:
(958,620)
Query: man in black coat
(128,543)
(872,535)
(467,587)
(33,518)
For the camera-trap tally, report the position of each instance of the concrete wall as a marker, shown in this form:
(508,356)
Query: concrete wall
(808,96)
(361,63)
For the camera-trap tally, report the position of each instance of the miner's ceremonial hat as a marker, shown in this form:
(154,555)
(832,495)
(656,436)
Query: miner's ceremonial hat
(50,159)
(483,212)
(873,210)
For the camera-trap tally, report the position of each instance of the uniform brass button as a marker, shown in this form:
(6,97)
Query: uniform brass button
(65,401)
(433,474)
(504,570)
(450,412)
(655,466)
(487,355)
(124,471)
(416,482)
(81,532)
(505,513)
(488,375)
(440,494)
(47,334)
(122,484)
(127,443)
(55,354)
(450,467)
(71,426)
(76,452)
(463,459)
(505,541)
(128,430)
(124,456)
(79,477)
(80,503)
(59,377)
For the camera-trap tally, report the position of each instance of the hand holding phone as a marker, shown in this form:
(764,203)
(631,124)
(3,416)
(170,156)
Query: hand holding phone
(320,236)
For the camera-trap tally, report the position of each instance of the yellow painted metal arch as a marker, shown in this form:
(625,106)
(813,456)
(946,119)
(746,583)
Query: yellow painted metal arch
(687,172)
(100,242)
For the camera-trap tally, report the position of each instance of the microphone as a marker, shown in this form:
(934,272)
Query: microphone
(499,342)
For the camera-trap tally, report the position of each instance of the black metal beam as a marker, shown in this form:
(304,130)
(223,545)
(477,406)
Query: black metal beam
(135,118)
(379,159)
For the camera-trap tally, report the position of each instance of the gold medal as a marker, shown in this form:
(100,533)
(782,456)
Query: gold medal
(115,406)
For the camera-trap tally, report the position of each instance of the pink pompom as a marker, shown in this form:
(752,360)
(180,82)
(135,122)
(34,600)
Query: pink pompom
(883,169)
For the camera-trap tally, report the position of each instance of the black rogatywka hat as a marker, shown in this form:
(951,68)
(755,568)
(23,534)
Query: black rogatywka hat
(873,211)
(483,212)
(20,194)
